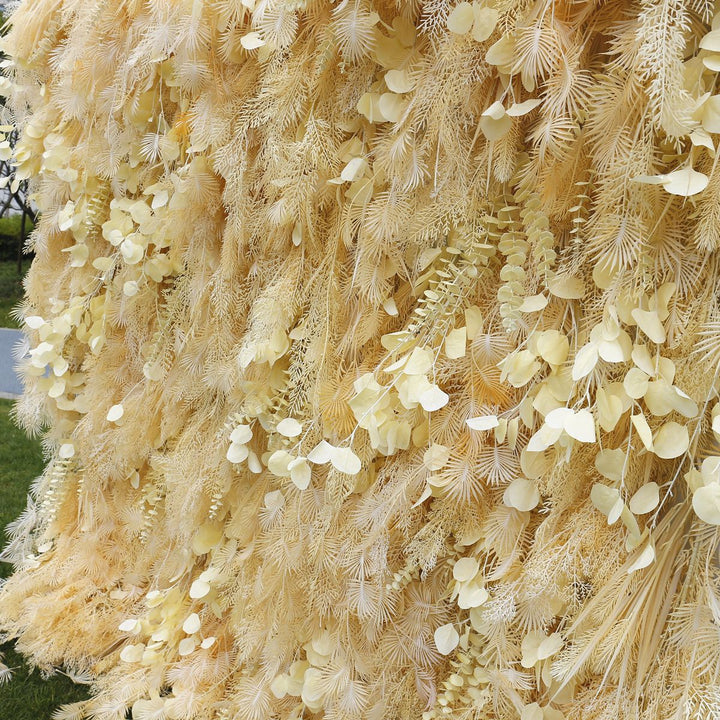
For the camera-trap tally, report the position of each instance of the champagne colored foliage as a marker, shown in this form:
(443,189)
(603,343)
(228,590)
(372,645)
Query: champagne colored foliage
(376,345)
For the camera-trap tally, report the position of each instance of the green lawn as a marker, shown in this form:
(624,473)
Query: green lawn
(27,696)
(11,225)
(11,290)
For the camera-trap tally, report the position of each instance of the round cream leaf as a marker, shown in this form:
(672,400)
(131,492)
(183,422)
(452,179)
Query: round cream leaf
(465,569)
(446,639)
(706,503)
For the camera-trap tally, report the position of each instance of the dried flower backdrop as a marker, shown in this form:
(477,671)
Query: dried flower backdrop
(377,346)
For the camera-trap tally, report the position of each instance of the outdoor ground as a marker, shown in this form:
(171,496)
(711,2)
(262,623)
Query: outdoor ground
(10,291)
(10,280)
(27,696)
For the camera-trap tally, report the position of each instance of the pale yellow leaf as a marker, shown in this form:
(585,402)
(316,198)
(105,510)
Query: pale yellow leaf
(399,81)
(436,456)
(187,646)
(289,427)
(199,589)
(419,362)
(206,537)
(483,422)
(433,399)
(533,303)
(321,453)
(619,349)
(502,54)
(392,106)
(567,287)
(279,686)
(496,111)
(641,357)
(530,644)
(685,182)
(636,383)
(494,129)
(523,108)
(34,321)
(684,404)
(115,413)
(501,430)
(236,453)
(344,460)
(191,624)
(661,299)
(711,41)
(354,169)
(465,569)
(241,434)
(550,646)
(132,653)
(522,494)
(645,558)
(706,503)
(252,41)
(446,639)
(660,397)
(455,342)
(645,499)
(369,106)
(710,470)
(581,426)
(278,463)
(716,425)
(472,595)
(711,62)
(300,473)
(610,463)
(461,18)
(608,501)
(130,288)
(649,322)
(585,361)
(485,20)
(558,417)
(544,438)
(671,441)
(520,368)
(533,464)
(553,347)
(473,321)
(643,430)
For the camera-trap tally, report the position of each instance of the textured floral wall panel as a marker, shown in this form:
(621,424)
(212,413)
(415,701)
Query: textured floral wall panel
(375,348)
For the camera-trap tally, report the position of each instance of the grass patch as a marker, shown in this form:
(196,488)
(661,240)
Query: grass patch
(21,461)
(27,696)
(11,289)
(12,224)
